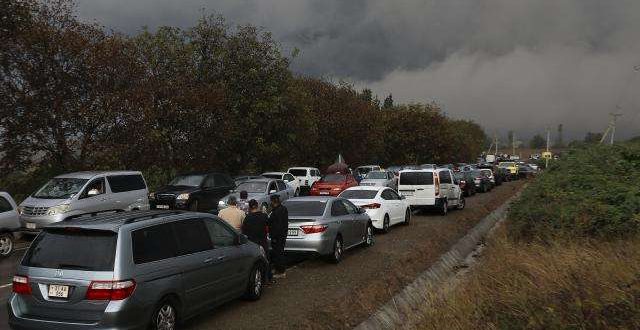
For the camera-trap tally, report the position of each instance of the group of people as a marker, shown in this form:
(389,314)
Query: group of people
(249,218)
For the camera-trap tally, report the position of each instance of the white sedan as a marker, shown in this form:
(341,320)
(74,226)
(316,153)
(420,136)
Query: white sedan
(383,205)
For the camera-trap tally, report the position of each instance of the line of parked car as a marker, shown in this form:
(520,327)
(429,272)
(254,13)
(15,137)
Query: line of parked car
(94,264)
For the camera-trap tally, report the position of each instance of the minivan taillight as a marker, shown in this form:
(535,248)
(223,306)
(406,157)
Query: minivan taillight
(371,206)
(20,285)
(437,181)
(313,229)
(110,290)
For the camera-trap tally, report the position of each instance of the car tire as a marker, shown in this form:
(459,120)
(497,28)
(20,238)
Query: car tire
(386,224)
(256,284)
(194,206)
(338,250)
(165,316)
(6,244)
(445,208)
(407,217)
(461,203)
(368,238)
(297,193)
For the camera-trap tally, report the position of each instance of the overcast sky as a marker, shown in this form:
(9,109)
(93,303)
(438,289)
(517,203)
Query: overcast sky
(507,64)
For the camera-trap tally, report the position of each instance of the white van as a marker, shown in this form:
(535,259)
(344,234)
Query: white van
(431,188)
(306,176)
(81,193)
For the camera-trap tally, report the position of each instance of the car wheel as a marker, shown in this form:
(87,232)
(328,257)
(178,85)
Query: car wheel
(6,244)
(385,224)
(368,239)
(297,193)
(445,208)
(193,206)
(461,203)
(254,288)
(165,317)
(407,217)
(336,256)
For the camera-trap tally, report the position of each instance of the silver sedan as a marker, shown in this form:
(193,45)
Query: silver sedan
(327,226)
(380,179)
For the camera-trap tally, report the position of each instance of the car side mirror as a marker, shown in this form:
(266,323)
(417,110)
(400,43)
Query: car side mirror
(273,191)
(93,192)
(361,211)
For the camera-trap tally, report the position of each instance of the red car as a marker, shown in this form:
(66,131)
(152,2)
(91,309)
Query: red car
(333,184)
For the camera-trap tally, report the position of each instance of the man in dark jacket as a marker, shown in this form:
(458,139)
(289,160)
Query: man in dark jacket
(278,226)
(255,226)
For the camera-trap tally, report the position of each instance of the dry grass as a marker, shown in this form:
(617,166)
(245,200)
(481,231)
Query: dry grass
(559,285)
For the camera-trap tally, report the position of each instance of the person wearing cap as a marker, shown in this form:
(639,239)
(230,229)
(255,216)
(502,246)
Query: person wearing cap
(232,214)
(278,226)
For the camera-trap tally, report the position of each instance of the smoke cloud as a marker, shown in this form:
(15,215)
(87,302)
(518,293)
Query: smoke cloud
(508,64)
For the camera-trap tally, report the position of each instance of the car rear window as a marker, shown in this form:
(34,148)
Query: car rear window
(305,208)
(416,178)
(78,249)
(359,194)
(298,172)
(334,178)
(272,176)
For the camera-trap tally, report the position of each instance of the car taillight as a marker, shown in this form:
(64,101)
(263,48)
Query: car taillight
(21,285)
(337,188)
(371,206)
(314,229)
(110,290)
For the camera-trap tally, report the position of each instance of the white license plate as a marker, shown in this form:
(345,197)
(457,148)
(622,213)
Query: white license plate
(31,225)
(292,232)
(58,291)
(407,193)
(163,207)
(324,193)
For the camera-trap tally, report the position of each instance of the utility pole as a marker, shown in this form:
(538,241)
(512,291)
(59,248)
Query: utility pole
(612,127)
(513,144)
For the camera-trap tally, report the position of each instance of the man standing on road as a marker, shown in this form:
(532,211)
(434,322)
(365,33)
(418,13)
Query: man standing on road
(278,226)
(232,214)
(255,226)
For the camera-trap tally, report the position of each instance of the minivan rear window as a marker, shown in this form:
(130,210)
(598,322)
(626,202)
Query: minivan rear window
(298,172)
(77,249)
(416,178)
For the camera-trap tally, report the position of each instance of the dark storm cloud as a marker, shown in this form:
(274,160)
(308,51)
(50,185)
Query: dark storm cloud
(520,64)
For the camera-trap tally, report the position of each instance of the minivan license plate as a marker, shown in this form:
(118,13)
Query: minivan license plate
(163,207)
(292,232)
(31,225)
(58,291)
(324,193)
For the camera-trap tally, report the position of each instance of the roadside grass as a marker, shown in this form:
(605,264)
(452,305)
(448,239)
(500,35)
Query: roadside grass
(568,256)
(558,285)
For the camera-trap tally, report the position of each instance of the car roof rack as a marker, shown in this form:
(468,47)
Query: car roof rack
(151,216)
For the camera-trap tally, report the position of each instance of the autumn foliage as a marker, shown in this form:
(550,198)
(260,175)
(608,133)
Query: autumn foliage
(211,97)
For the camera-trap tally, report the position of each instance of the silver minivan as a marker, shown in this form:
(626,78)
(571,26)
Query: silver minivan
(83,192)
(132,270)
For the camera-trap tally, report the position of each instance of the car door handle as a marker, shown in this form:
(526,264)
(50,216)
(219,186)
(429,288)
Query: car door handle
(220,259)
(208,260)
(420,189)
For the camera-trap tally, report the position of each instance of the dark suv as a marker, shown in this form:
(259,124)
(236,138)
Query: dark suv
(192,191)
(132,270)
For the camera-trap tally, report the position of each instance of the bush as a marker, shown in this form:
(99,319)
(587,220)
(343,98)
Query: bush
(592,192)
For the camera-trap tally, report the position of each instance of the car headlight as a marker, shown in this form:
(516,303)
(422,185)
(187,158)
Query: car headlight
(183,196)
(58,209)
(152,195)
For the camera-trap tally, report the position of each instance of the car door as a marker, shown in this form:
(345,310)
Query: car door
(358,222)
(8,214)
(231,265)
(445,183)
(341,216)
(397,213)
(197,256)
(94,197)
(284,190)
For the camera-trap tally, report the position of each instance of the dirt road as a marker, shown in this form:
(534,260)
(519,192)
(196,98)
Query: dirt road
(318,295)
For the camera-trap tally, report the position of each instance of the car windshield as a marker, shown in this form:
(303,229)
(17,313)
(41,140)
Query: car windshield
(187,180)
(252,187)
(51,250)
(363,170)
(272,176)
(331,178)
(359,194)
(376,175)
(487,172)
(298,172)
(60,188)
(305,208)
